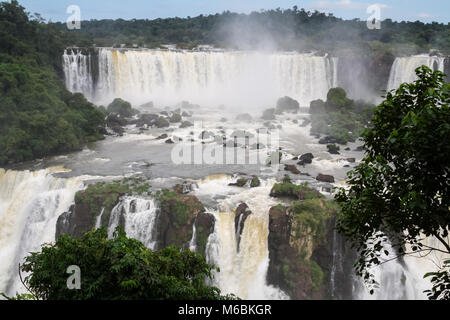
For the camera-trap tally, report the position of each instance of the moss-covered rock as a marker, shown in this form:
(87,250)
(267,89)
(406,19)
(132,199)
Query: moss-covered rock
(255,182)
(295,234)
(290,190)
(204,226)
(177,215)
(90,202)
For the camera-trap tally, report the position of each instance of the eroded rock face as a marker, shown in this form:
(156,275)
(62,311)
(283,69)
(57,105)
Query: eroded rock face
(74,222)
(241,214)
(204,226)
(175,218)
(178,213)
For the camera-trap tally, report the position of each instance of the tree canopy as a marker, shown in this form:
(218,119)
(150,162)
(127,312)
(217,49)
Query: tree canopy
(400,192)
(119,268)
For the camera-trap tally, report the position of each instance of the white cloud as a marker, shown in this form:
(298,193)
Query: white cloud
(424,15)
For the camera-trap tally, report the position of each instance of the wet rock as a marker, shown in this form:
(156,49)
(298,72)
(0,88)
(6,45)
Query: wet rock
(330,140)
(287,104)
(351,160)
(163,136)
(240,182)
(333,149)
(242,212)
(359,148)
(146,119)
(116,123)
(291,168)
(186,187)
(178,213)
(169,141)
(268,114)
(347,149)
(325,178)
(305,159)
(204,226)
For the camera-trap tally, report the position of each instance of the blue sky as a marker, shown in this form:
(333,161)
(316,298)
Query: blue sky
(408,10)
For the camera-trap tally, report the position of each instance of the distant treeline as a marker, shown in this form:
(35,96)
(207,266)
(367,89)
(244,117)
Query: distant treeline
(290,29)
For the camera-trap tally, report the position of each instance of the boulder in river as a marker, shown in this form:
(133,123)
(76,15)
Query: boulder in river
(287,104)
(325,178)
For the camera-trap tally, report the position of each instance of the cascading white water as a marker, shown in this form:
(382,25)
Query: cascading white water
(251,79)
(30,203)
(403,69)
(242,272)
(77,72)
(139,216)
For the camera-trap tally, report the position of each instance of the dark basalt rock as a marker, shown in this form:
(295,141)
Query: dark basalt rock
(291,168)
(268,114)
(305,159)
(175,220)
(163,136)
(241,214)
(204,226)
(169,141)
(325,178)
(351,160)
(116,123)
(146,119)
(287,104)
(359,148)
(333,149)
(330,140)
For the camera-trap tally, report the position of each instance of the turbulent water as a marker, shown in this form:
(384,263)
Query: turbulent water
(403,69)
(30,203)
(242,272)
(231,78)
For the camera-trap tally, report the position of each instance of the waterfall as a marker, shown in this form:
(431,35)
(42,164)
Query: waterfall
(30,203)
(210,78)
(139,216)
(77,72)
(403,69)
(243,272)
(402,279)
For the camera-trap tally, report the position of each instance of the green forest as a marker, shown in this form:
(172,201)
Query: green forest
(38,116)
(290,29)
